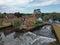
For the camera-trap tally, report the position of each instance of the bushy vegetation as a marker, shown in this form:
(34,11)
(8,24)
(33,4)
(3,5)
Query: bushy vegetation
(0,23)
(18,14)
(2,16)
(47,16)
(36,23)
(16,23)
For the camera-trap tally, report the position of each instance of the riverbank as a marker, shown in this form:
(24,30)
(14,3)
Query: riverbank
(42,30)
(41,35)
(56,28)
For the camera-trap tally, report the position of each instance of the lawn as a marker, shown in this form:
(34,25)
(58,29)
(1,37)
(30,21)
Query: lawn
(57,30)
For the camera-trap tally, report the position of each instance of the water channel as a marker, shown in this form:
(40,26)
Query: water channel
(41,36)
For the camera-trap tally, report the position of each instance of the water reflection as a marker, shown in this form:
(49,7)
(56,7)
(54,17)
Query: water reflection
(39,37)
(17,38)
(45,31)
(43,41)
(52,21)
(7,39)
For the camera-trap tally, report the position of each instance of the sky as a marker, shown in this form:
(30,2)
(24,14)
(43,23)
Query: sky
(28,6)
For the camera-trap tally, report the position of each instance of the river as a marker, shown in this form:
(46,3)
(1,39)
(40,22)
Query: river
(42,36)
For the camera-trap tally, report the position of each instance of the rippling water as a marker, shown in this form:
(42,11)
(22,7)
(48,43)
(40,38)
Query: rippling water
(45,31)
(39,37)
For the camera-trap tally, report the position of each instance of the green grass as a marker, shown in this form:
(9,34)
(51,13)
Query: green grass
(57,31)
(37,23)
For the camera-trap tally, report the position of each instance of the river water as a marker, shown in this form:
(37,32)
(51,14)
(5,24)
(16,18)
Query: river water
(45,31)
(42,36)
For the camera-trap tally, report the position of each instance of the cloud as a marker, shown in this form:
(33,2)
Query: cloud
(44,3)
(13,5)
(14,2)
(21,5)
(29,2)
(10,9)
(57,2)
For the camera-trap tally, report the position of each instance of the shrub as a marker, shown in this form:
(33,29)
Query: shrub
(2,16)
(0,23)
(16,23)
(36,23)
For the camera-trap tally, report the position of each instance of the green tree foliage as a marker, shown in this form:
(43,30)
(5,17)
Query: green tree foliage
(4,13)
(55,16)
(47,16)
(37,12)
(2,16)
(18,14)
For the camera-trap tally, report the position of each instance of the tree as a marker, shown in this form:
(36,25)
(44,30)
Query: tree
(2,16)
(37,12)
(18,14)
(55,16)
(4,13)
